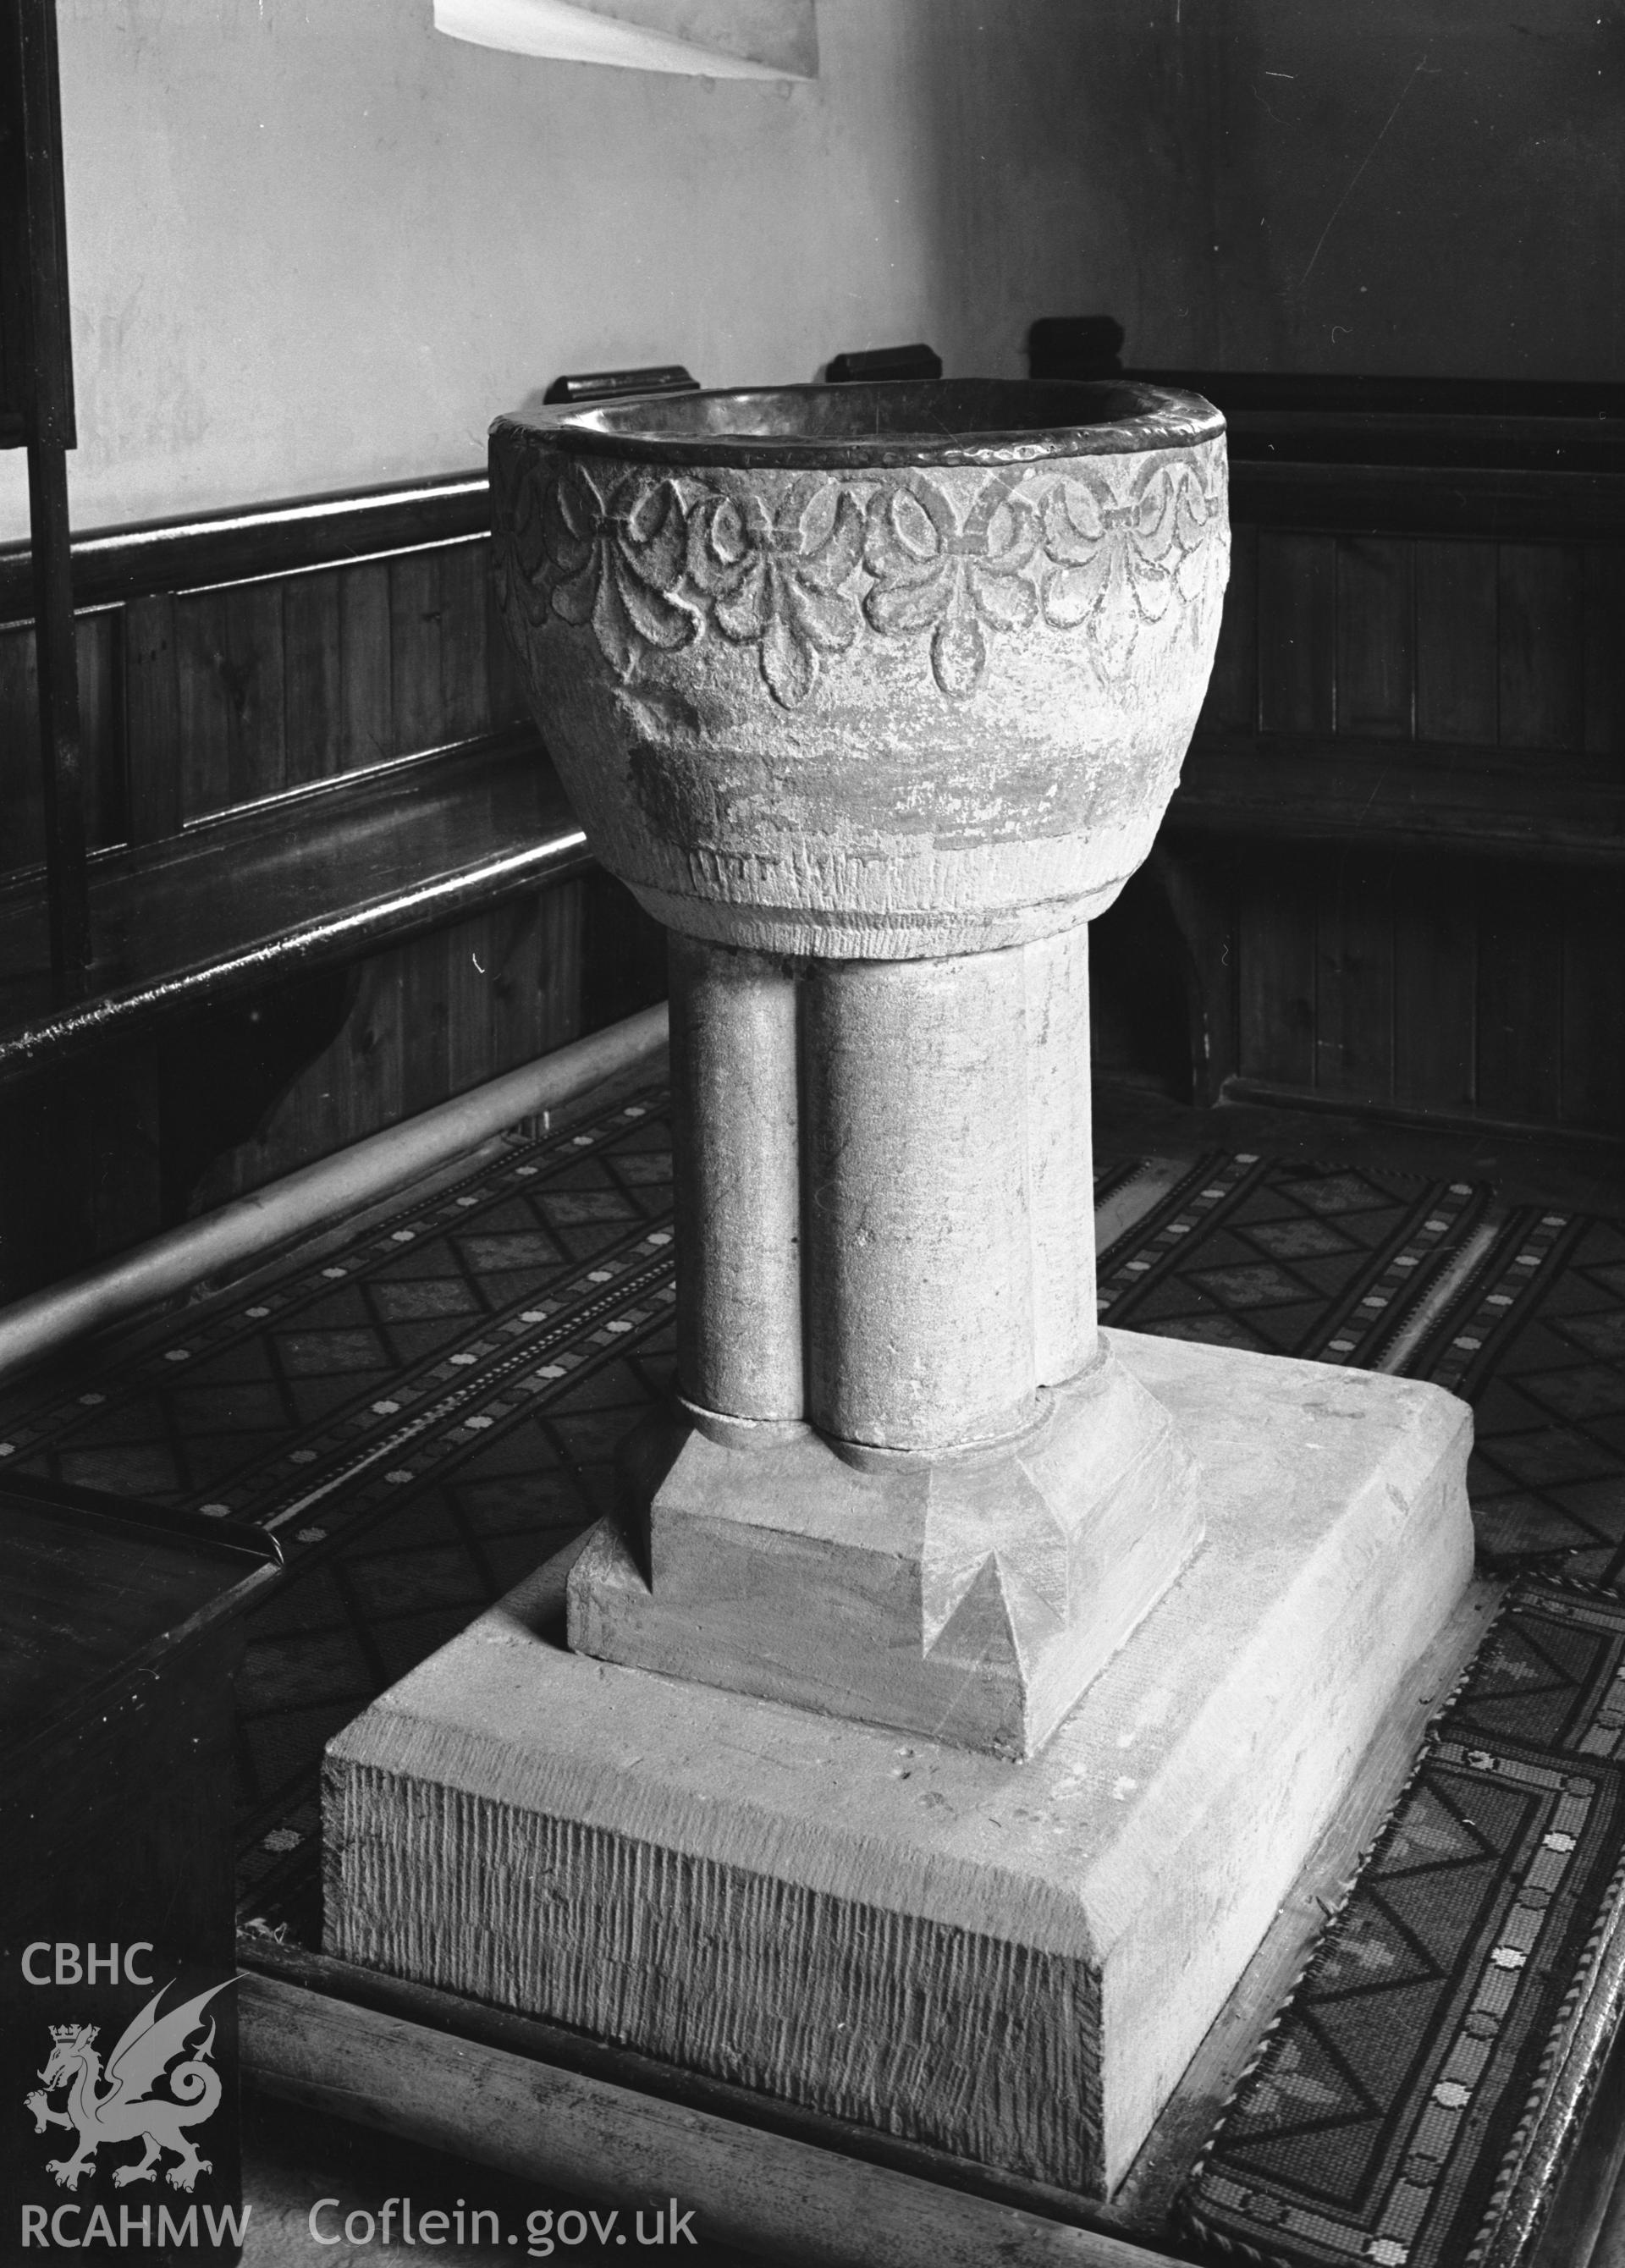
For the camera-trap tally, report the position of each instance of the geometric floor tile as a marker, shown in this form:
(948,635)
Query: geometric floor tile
(1390,2114)
(421,1415)
(428,1410)
(1537,1344)
(1325,1263)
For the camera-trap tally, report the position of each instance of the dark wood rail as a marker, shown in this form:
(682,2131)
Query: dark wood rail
(302,741)
(332,880)
(314,879)
(1488,801)
(1507,504)
(213,548)
(1424,636)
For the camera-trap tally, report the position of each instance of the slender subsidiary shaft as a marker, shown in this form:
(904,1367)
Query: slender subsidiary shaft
(1060,1153)
(738,1178)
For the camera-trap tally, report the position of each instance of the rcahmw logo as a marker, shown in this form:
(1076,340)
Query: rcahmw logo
(119,2103)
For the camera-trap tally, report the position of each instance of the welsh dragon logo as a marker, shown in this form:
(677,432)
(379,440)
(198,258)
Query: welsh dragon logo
(128,2109)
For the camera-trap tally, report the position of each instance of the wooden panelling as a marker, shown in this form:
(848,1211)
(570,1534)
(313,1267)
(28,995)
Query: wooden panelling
(1457,690)
(1593,1022)
(505,690)
(437,644)
(1445,641)
(21,792)
(415,614)
(1374,681)
(193,705)
(295,975)
(101,725)
(465,695)
(427,986)
(117,1108)
(520,978)
(1297,632)
(275,539)
(101,740)
(344,868)
(1440,986)
(1520,996)
(313,678)
(439,1015)
(1605,651)
(622,954)
(1196,890)
(1438,617)
(152,719)
(366,726)
(1519,503)
(222,1071)
(1354,977)
(1540,609)
(229,654)
(1435,984)
(1343,417)
(1232,703)
(1536,803)
(1275,977)
(80,1166)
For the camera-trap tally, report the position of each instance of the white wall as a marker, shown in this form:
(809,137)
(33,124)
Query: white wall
(312,244)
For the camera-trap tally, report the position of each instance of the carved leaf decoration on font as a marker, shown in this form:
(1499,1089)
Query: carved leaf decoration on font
(1122,553)
(1116,549)
(958,582)
(773,581)
(616,560)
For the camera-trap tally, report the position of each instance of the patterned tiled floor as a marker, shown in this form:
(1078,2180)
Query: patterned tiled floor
(1391,2110)
(424,1411)
(1538,1347)
(421,1415)
(1323,1263)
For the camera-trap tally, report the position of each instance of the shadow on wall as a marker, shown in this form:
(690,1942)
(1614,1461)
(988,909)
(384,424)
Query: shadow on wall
(1382,188)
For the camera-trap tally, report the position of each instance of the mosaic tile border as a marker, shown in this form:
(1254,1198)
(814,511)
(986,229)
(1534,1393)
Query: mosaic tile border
(1213,1184)
(1436,2141)
(1359,1323)
(1463,1347)
(230,1321)
(1375,1318)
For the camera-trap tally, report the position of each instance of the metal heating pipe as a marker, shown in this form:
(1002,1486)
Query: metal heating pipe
(46,1321)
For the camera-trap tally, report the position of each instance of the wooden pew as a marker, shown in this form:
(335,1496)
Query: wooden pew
(1395,858)
(331,873)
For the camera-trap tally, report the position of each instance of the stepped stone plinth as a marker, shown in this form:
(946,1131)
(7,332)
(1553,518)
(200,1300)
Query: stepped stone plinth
(875,696)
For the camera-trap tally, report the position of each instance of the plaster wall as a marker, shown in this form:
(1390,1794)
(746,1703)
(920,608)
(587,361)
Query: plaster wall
(312,244)
(1417,188)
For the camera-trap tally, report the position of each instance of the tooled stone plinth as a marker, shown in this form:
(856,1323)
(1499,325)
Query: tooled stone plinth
(1013,1962)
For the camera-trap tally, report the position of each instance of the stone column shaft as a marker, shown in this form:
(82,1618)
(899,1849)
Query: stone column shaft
(736,1142)
(883,1188)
